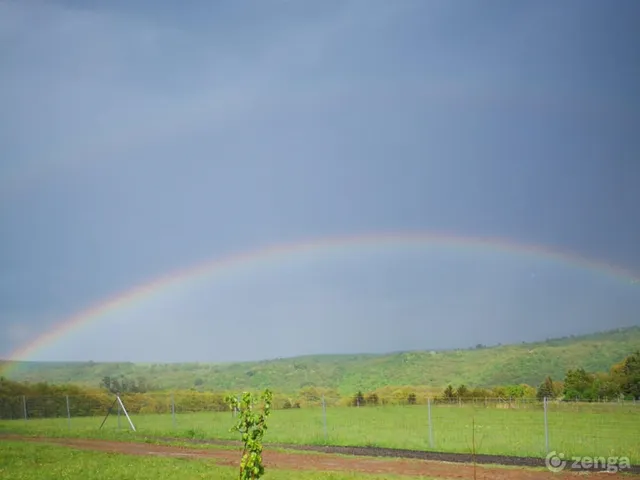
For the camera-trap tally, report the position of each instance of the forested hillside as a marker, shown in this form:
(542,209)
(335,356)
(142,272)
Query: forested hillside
(477,367)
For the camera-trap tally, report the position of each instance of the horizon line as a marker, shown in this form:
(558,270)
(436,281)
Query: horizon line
(373,354)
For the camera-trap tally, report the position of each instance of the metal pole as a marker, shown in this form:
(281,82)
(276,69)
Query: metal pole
(108,413)
(68,413)
(546,426)
(324,418)
(430,424)
(125,413)
(173,410)
(24,406)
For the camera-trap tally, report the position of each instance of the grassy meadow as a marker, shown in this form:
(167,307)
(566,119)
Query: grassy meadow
(573,428)
(27,461)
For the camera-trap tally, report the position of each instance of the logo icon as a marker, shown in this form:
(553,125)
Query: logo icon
(555,461)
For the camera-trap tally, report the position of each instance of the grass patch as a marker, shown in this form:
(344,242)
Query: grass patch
(27,461)
(574,429)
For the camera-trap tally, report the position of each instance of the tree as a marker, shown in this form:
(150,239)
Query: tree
(515,391)
(142,386)
(462,391)
(579,385)
(627,374)
(252,426)
(606,386)
(449,393)
(372,399)
(111,384)
(358,400)
(311,394)
(411,399)
(106,383)
(126,386)
(546,390)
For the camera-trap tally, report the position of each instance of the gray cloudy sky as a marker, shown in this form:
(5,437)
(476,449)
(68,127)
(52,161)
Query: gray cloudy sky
(137,138)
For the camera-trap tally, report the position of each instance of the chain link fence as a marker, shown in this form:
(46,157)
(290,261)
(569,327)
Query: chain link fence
(497,426)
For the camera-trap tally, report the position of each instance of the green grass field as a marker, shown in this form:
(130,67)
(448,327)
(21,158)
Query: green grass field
(574,429)
(26,461)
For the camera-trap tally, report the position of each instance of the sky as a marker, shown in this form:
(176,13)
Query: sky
(141,138)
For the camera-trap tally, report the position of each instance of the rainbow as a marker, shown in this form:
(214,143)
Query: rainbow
(279,252)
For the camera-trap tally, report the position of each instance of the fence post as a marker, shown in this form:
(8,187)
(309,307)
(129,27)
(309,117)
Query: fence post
(173,410)
(430,423)
(68,413)
(121,405)
(324,419)
(24,406)
(546,426)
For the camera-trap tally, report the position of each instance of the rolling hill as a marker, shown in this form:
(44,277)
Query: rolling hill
(481,366)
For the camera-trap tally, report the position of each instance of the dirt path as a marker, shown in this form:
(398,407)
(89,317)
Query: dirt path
(321,462)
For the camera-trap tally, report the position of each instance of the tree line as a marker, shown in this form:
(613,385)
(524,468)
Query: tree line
(621,382)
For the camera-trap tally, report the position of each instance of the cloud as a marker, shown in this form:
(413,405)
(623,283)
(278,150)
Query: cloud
(104,89)
(109,83)
(19,333)
(136,141)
